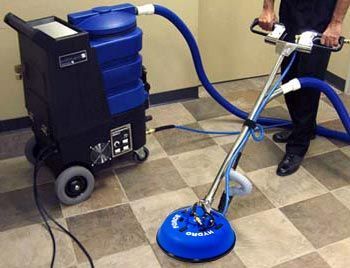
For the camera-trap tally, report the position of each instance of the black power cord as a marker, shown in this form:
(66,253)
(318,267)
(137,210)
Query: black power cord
(45,215)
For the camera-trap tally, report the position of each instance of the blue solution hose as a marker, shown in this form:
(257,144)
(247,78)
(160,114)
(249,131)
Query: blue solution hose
(205,132)
(181,26)
(228,133)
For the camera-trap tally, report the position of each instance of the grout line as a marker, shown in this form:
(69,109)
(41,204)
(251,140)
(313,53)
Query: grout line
(120,185)
(96,210)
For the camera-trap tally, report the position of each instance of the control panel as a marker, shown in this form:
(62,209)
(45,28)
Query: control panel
(121,140)
(73,58)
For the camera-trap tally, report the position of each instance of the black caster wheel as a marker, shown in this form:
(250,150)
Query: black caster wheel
(74,185)
(141,154)
(31,150)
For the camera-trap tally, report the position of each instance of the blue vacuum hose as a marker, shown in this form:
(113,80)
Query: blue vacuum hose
(306,83)
(316,84)
(191,41)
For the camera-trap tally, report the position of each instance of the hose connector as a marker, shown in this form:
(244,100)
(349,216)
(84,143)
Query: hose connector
(148,9)
(150,131)
(292,85)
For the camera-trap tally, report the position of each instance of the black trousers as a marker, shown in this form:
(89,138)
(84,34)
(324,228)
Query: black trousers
(303,104)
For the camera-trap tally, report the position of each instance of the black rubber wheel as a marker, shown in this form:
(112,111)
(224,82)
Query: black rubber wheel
(141,155)
(31,150)
(74,185)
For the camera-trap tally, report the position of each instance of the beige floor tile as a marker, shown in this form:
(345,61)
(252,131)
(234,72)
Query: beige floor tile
(107,193)
(267,239)
(106,232)
(18,208)
(12,143)
(331,169)
(346,150)
(30,247)
(258,155)
(142,256)
(320,145)
(150,178)
(343,195)
(200,166)
(312,260)
(283,191)
(229,261)
(170,114)
(336,125)
(225,123)
(17,173)
(177,141)
(326,112)
(155,149)
(242,93)
(323,220)
(337,255)
(276,112)
(243,99)
(229,89)
(152,211)
(205,108)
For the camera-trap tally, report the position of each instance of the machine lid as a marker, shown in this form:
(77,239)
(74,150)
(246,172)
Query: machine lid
(106,21)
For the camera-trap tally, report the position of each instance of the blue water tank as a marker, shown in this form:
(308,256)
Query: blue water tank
(117,41)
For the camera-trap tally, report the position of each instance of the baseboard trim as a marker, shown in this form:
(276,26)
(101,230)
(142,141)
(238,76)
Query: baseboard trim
(155,99)
(174,96)
(335,80)
(15,124)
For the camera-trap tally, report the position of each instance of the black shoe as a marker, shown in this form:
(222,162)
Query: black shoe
(289,165)
(283,136)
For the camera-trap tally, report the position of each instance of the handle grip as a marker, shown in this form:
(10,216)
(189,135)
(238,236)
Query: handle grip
(332,49)
(253,30)
(19,25)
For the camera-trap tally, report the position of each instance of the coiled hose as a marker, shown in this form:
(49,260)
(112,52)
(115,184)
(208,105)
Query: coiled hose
(181,26)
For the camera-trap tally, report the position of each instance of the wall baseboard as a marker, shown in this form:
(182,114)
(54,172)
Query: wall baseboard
(335,80)
(174,96)
(155,99)
(15,124)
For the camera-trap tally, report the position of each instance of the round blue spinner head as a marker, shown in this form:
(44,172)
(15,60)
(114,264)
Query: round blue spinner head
(192,235)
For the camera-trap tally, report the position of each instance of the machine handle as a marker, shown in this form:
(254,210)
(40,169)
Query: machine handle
(253,30)
(333,49)
(19,25)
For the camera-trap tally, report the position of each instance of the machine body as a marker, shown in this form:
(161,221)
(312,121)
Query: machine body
(85,91)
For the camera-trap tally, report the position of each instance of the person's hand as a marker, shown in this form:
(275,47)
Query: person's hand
(267,19)
(332,34)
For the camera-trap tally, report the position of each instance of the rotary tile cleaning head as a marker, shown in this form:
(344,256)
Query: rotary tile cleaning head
(193,235)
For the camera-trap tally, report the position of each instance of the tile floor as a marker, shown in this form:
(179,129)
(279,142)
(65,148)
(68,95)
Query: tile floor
(298,221)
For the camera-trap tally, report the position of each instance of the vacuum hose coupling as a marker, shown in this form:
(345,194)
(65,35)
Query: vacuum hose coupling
(148,9)
(244,186)
(292,85)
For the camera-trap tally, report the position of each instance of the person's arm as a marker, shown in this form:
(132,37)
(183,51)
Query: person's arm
(268,16)
(333,32)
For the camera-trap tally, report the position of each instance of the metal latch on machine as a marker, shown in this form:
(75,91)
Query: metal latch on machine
(19,70)
(73,58)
